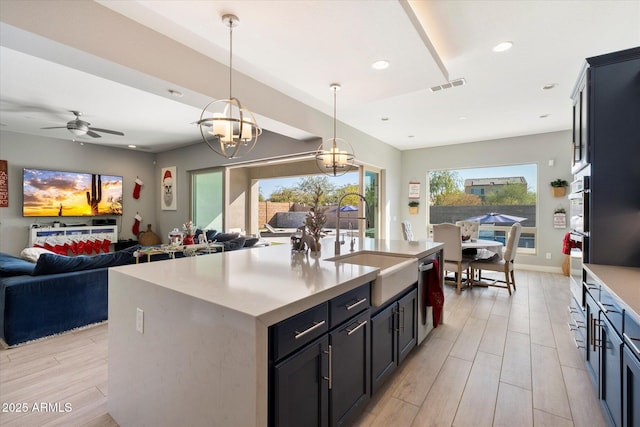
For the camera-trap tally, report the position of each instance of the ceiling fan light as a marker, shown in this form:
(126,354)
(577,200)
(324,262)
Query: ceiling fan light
(77,131)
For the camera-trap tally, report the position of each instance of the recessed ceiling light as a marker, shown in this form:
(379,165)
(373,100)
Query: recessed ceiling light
(544,116)
(501,47)
(385,119)
(549,86)
(462,118)
(175,93)
(381,64)
(411,136)
(132,146)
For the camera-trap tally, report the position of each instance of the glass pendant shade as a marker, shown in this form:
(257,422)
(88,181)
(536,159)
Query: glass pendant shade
(229,128)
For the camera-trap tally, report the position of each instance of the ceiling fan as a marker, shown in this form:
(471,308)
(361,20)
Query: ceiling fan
(79,127)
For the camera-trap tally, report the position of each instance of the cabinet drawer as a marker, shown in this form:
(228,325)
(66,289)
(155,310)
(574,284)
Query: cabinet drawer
(349,304)
(299,330)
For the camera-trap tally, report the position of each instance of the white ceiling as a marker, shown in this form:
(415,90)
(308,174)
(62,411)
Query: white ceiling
(300,47)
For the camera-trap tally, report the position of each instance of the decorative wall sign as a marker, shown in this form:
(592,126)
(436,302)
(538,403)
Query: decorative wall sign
(559,220)
(169,196)
(414,190)
(4,184)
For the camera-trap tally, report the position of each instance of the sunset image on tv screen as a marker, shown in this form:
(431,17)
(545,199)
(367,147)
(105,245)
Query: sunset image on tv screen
(56,193)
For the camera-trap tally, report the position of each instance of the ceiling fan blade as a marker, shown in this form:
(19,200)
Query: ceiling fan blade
(93,134)
(113,132)
(55,127)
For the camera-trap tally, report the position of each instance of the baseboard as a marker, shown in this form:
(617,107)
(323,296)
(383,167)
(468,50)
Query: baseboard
(542,268)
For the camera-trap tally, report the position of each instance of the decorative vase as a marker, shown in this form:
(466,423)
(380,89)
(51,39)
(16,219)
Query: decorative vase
(413,210)
(148,238)
(188,240)
(558,191)
(317,246)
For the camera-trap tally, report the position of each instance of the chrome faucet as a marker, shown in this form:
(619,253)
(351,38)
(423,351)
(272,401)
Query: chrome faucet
(338,242)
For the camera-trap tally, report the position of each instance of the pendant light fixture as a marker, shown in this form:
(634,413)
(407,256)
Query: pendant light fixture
(335,155)
(227,126)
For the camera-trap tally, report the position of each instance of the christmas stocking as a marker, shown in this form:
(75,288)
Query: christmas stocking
(105,245)
(136,188)
(136,224)
(97,245)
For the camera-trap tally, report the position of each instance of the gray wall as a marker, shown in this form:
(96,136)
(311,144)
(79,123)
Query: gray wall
(24,151)
(539,149)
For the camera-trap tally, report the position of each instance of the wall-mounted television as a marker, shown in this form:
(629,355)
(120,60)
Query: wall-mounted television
(59,193)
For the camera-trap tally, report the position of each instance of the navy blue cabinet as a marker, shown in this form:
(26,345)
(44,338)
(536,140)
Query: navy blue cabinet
(394,334)
(349,382)
(320,363)
(631,387)
(300,387)
(611,376)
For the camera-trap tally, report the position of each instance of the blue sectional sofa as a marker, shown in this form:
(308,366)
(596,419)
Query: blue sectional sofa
(60,293)
(55,295)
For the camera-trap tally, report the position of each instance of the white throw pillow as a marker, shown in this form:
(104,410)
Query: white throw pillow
(32,254)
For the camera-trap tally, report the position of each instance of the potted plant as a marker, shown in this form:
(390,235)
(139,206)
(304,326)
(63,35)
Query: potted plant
(316,220)
(558,187)
(413,207)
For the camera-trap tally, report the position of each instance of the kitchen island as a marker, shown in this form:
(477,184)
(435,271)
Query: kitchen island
(189,338)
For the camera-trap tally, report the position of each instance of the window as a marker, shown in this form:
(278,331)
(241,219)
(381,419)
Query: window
(481,194)
(208,199)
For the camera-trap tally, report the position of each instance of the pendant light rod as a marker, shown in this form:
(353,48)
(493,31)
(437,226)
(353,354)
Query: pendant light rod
(230,21)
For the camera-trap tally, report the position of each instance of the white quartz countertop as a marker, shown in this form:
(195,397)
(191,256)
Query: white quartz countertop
(624,282)
(270,283)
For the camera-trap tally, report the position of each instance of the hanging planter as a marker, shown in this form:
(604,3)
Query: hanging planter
(559,187)
(414,207)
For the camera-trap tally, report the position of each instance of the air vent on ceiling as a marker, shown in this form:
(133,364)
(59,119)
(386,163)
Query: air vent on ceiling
(448,85)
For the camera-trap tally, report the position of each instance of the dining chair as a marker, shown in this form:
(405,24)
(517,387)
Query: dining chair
(469,228)
(407,233)
(451,236)
(506,264)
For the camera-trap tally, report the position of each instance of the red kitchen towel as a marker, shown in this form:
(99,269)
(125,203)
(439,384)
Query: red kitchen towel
(432,294)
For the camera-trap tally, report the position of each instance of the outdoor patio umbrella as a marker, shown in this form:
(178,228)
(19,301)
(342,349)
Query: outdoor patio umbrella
(346,208)
(493,218)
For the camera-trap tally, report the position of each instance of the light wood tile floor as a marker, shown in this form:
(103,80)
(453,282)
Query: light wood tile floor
(497,360)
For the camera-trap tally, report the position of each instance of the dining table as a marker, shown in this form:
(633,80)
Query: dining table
(493,246)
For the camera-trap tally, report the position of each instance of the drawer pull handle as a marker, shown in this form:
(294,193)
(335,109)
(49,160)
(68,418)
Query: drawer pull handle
(630,341)
(571,326)
(315,326)
(575,341)
(360,325)
(571,309)
(355,304)
(329,379)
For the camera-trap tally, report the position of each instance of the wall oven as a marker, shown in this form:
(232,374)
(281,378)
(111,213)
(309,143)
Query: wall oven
(579,209)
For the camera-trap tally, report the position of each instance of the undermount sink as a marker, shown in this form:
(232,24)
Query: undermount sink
(396,273)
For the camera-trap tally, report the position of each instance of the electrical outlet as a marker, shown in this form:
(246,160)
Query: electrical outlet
(548,255)
(140,320)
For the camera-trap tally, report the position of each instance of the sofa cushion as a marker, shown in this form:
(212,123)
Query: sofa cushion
(32,254)
(250,241)
(233,244)
(13,266)
(209,233)
(55,264)
(225,237)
